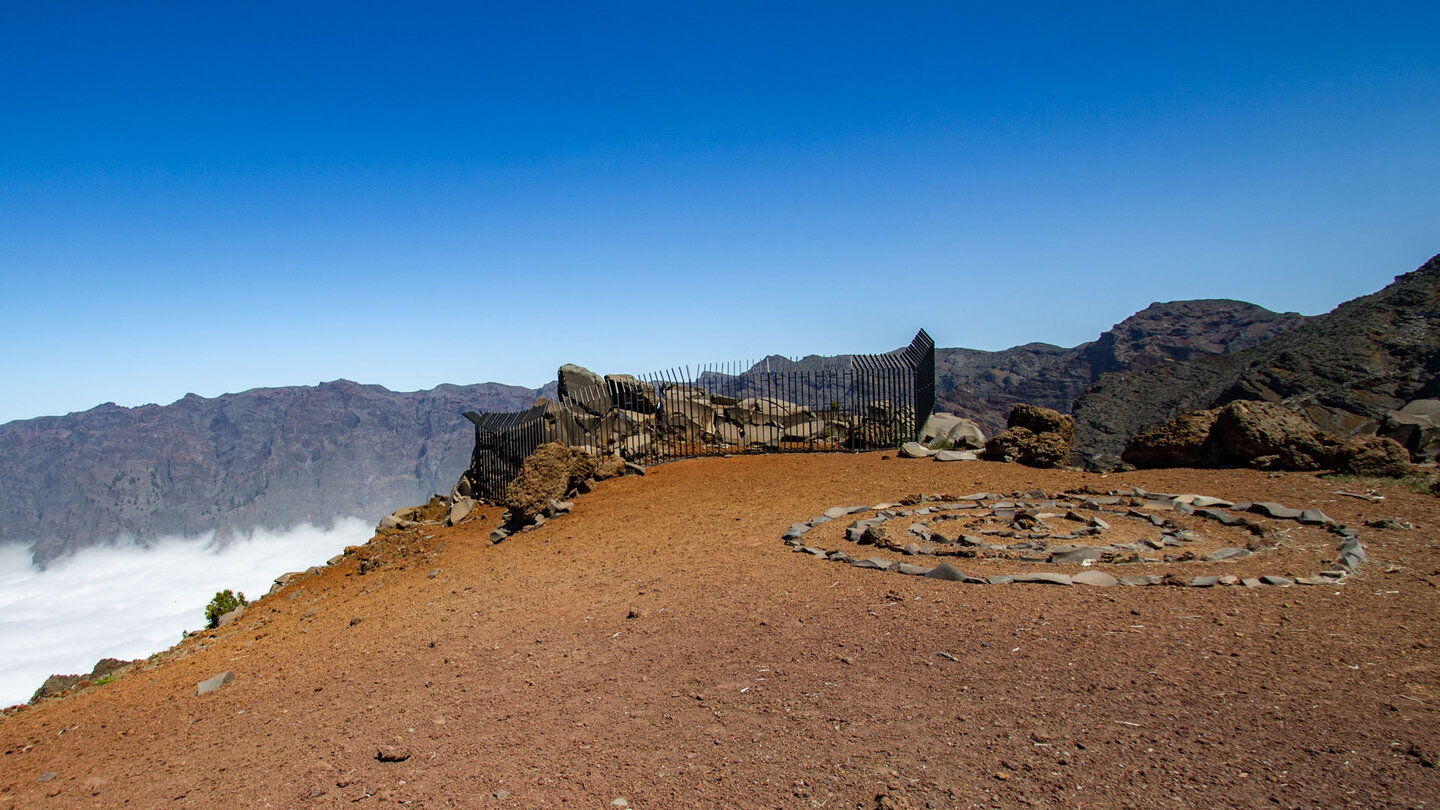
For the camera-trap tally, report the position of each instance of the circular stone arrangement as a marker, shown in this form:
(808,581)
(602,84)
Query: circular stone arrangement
(1070,529)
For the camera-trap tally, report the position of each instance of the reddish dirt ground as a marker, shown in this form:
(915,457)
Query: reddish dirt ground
(662,648)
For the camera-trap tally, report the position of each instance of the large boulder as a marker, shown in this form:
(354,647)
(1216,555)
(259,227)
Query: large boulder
(1376,456)
(630,394)
(583,388)
(552,472)
(1262,434)
(1035,437)
(945,431)
(1417,427)
(1182,442)
(1265,430)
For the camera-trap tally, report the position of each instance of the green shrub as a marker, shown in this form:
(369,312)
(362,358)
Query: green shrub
(224,602)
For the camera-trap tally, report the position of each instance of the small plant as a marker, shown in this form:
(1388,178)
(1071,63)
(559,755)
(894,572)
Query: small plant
(224,602)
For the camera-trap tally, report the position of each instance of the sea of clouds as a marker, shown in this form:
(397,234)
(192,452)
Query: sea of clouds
(129,601)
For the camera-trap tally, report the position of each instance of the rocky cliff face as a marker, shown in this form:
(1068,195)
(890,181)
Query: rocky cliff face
(267,458)
(984,386)
(1345,370)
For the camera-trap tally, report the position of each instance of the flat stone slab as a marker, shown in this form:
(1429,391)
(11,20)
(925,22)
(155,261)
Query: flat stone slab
(1144,579)
(945,571)
(1097,578)
(1313,581)
(912,570)
(1043,579)
(999,579)
(1314,517)
(1275,510)
(956,455)
(1221,516)
(873,562)
(1252,582)
(915,450)
(835,512)
(1076,556)
(1204,582)
(1277,581)
(1226,554)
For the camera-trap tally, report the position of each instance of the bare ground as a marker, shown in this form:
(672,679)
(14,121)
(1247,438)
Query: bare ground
(661,646)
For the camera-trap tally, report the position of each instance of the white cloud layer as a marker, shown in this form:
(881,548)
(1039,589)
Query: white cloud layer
(129,602)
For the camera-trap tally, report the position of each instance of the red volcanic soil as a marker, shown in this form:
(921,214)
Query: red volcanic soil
(661,647)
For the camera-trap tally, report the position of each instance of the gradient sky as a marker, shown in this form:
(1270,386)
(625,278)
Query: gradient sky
(215,196)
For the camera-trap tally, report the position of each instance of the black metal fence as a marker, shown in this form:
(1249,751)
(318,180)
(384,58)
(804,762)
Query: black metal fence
(876,401)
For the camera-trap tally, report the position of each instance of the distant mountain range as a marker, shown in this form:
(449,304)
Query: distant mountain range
(276,457)
(267,458)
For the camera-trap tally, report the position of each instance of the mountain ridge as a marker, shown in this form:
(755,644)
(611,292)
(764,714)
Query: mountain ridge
(274,458)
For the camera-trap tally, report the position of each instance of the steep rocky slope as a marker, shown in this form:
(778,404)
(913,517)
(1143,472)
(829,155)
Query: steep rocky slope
(985,385)
(266,458)
(1345,369)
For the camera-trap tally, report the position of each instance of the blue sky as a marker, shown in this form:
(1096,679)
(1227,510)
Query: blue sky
(216,196)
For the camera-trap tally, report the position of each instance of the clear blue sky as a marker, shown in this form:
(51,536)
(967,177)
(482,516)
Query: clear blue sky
(214,196)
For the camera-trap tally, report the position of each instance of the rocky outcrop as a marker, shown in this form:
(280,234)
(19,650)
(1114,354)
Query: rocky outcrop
(58,685)
(1035,437)
(1346,371)
(1265,435)
(984,386)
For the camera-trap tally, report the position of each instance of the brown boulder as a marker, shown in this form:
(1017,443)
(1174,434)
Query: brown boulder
(609,467)
(1182,442)
(1375,456)
(1035,437)
(1042,420)
(1261,430)
(552,472)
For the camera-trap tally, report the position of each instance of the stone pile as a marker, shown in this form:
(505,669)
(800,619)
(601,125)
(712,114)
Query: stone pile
(1029,516)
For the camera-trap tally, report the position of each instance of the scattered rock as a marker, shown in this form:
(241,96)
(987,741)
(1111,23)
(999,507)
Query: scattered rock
(945,571)
(211,684)
(915,450)
(392,753)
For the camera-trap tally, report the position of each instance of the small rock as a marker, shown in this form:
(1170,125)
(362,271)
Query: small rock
(391,753)
(1204,582)
(211,684)
(1276,581)
(433,574)
(945,571)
